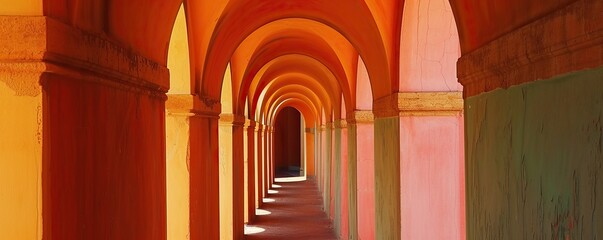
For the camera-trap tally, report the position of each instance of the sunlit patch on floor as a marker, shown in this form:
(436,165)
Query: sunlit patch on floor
(268,200)
(253,230)
(272,191)
(290,179)
(262,212)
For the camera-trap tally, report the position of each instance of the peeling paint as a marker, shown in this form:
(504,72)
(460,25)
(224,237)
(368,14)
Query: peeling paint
(533,158)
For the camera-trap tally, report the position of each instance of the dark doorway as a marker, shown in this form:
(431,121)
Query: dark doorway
(287,143)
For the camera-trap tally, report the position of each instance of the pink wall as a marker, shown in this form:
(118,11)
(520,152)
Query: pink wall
(429,47)
(432,199)
(332,178)
(366,181)
(344,184)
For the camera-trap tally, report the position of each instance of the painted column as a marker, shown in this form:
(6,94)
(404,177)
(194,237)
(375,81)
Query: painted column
(341,179)
(231,176)
(204,176)
(340,201)
(332,178)
(266,177)
(318,158)
(82,153)
(251,169)
(431,159)
(430,162)
(180,119)
(327,159)
(363,149)
(310,152)
(387,170)
(387,178)
(271,156)
(259,166)
(336,179)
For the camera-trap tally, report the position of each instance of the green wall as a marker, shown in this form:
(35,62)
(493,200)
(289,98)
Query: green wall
(534,156)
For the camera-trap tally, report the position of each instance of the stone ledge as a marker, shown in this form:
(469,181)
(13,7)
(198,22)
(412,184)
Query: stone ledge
(229,118)
(342,123)
(360,116)
(186,104)
(70,50)
(567,40)
(419,104)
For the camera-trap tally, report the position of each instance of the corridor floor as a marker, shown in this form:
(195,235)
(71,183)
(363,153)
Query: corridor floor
(292,210)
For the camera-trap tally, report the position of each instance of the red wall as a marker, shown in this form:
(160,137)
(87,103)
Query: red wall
(104,174)
(287,142)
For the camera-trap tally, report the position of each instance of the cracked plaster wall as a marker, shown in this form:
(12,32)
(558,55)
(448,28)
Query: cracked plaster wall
(534,156)
(429,47)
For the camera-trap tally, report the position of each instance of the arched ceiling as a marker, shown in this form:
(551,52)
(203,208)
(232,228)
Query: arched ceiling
(352,19)
(307,111)
(291,91)
(299,67)
(265,40)
(480,22)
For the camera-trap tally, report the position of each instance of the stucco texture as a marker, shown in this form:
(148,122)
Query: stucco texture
(534,160)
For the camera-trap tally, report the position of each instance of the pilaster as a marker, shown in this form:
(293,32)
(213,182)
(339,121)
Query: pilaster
(250,169)
(231,176)
(56,170)
(259,160)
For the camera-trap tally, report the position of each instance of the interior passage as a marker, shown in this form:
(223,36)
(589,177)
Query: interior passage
(292,210)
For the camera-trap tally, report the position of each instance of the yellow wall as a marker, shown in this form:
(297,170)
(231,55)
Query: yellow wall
(21,7)
(177,154)
(20,164)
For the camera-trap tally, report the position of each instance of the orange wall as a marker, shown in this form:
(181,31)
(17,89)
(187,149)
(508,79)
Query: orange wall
(287,140)
(105,174)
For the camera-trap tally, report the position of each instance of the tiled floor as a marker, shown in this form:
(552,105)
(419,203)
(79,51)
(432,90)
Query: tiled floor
(292,210)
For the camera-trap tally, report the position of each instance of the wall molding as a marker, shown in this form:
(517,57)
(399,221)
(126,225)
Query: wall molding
(419,104)
(360,116)
(567,40)
(78,55)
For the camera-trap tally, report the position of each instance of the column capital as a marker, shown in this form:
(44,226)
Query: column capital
(419,104)
(65,51)
(250,124)
(229,118)
(341,123)
(259,127)
(360,116)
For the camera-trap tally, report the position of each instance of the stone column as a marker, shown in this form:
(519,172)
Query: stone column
(266,177)
(259,165)
(231,176)
(341,178)
(362,153)
(326,164)
(361,215)
(250,192)
(310,149)
(417,154)
(204,174)
(180,118)
(336,178)
(387,170)
(318,158)
(82,151)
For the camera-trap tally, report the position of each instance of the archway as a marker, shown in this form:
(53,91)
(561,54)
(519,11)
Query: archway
(287,143)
